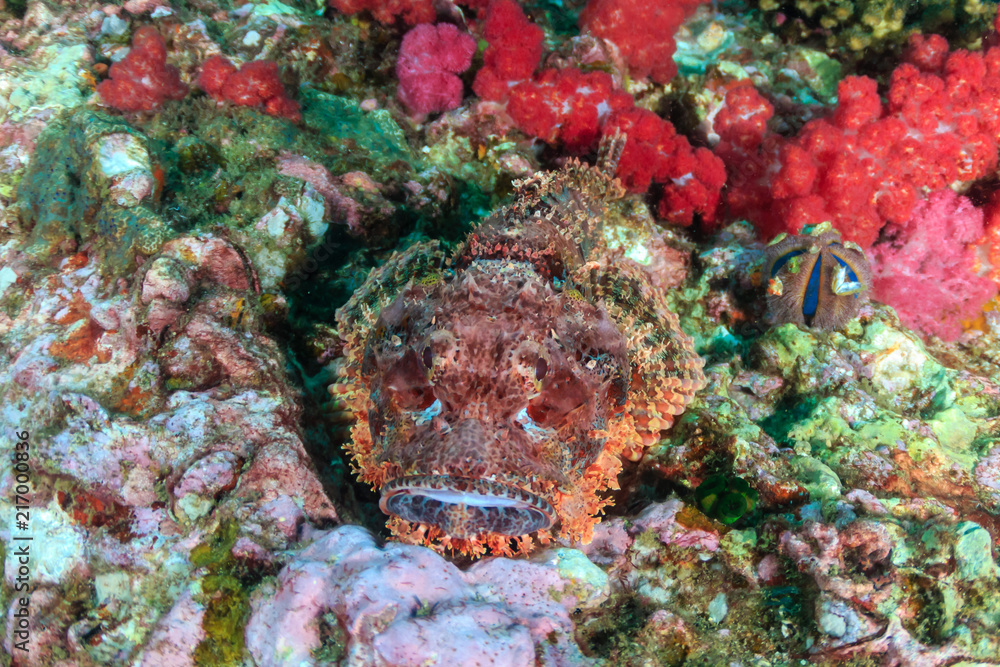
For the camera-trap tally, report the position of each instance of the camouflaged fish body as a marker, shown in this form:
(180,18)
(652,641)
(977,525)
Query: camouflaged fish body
(495,392)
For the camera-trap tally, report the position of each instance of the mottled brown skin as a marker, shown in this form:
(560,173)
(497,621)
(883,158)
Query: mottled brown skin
(494,396)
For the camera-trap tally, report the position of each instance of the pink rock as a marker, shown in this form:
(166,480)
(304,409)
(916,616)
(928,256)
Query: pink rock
(217,260)
(176,635)
(340,205)
(43,628)
(662,519)
(406,605)
(143,6)
(250,553)
(166,280)
(209,475)
(282,515)
(282,469)
(769,569)
(988,474)
(610,543)
(162,314)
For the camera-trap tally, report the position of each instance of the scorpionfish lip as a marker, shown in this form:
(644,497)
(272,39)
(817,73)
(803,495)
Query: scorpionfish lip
(465,507)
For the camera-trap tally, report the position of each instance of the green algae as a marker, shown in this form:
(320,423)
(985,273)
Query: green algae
(818,478)
(332,640)
(864,29)
(54,85)
(371,135)
(224,594)
(64,194)
(788,413)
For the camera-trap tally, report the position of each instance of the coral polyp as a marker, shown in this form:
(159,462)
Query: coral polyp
(496,390)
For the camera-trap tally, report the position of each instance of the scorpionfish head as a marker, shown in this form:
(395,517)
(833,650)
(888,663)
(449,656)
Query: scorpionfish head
(491,391)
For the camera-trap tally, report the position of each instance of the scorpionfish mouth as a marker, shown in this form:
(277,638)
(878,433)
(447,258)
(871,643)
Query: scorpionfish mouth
(465,507)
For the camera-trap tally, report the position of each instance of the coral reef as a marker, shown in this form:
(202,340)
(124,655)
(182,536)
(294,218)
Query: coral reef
(865,165)
(420,608)
(565,384)
(93,180)
(165,410)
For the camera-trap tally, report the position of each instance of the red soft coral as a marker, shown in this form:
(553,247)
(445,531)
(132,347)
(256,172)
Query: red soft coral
(386,12)
(654,152)
(515,46)
(867,164)
(926,268)
(429,59)
(643,30)
(255,84)
(566,106)
(142,80)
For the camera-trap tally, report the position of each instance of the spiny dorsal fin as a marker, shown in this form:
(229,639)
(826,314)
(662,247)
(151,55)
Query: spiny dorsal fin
(609,152)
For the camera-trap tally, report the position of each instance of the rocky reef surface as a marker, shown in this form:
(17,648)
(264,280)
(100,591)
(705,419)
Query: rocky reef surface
(176,238)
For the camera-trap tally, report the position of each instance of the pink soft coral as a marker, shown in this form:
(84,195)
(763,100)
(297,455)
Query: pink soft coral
(430,57)
(142,80)
(925,268)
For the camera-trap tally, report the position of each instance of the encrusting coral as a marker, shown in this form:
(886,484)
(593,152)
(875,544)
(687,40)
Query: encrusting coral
(494,397)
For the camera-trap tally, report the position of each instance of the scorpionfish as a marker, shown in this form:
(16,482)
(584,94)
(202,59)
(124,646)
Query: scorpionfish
(496,390)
